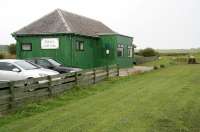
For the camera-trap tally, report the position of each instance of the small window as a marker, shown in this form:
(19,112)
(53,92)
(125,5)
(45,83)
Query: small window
(130,51)
(80,45)
(27,46)
(120,50)
(6,66)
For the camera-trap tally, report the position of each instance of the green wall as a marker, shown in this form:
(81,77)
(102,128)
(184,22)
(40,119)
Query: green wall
(125,61)
(94,54)
(63,54)
(84,58)
(113,41)
(105,42)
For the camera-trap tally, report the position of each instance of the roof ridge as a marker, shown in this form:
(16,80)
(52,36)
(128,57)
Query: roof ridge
(93,19)
(63,20)
(35,21)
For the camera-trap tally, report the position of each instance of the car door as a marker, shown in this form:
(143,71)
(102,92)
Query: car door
(7,73)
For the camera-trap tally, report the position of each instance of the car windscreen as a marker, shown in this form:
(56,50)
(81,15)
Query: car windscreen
(26,65)
(55,63)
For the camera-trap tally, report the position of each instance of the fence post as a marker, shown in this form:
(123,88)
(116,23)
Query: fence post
(76,78)
(12,97)
(107,70)
(117,70)
(50,86)
(94,73)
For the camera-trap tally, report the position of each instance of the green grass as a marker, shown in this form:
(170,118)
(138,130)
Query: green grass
(163,60)
(164,100)
(197,55)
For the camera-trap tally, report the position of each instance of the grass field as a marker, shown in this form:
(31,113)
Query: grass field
(164,60)
(165,100)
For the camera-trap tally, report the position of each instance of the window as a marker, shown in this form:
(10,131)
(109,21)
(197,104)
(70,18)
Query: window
(43,63)
(80,45)
(26,65)
(120,50)
(130,51)
(27,46)
(7,66)
(53,62)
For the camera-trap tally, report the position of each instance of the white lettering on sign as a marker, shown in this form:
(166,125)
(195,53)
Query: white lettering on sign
(50,43)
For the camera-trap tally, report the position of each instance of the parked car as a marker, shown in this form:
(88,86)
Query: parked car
(13,70)
(53,65)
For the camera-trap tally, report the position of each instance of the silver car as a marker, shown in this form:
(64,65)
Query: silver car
(13,70)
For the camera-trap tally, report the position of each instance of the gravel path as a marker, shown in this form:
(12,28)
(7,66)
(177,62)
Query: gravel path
(135,70)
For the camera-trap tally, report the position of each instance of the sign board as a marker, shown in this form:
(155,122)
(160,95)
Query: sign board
(50,43)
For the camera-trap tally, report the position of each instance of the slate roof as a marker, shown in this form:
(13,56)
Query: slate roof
(60,21)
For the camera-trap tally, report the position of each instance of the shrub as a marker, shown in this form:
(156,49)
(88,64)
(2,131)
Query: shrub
(162,66)
(12,49)
(155,67)
(148,52)
(2,56)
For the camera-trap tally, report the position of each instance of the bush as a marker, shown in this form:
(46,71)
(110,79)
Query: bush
(12,49)
(162,66)
(148,52)
(2,56)
(155,67)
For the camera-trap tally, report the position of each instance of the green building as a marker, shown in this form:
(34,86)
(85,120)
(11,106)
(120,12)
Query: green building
(74,40)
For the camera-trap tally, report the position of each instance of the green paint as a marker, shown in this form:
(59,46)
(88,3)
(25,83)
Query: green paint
(93,55)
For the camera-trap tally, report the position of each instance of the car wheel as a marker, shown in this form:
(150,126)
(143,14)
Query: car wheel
(28,83)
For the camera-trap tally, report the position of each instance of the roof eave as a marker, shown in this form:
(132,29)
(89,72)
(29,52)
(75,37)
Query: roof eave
(101,34)
(52,34)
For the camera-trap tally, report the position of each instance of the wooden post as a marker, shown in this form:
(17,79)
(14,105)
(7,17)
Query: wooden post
(76,78)
(50,86)
(12,96)
(107,70)
(117,70)
(94,73)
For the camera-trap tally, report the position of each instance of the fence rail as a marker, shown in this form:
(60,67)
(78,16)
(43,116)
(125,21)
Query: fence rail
(185,60)
(16,93)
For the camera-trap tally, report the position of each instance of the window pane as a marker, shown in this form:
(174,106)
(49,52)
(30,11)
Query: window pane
(120,52)
(26,47)
(6,66)
(53,62)
(80,45)
(25,65)
(44,63)
(130,51)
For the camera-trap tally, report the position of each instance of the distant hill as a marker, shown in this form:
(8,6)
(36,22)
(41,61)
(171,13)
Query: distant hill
(178,50)
(193,50)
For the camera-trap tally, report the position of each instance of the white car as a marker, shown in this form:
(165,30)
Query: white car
(13,70)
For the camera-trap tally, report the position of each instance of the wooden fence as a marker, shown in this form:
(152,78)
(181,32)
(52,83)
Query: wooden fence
(15,94)
(184,60)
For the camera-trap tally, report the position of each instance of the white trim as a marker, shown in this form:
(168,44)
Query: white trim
(63,20)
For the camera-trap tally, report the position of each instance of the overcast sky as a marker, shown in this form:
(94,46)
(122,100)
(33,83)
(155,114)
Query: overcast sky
(152,23)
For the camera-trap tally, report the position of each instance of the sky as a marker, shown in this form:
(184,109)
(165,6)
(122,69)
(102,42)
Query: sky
(163,24)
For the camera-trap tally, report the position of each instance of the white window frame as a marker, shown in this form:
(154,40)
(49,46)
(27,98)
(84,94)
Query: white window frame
(79,45)
(130,51)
